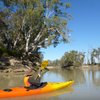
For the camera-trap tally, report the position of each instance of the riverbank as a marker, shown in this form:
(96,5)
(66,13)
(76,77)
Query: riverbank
(89,67)
(22,69)
(12,70)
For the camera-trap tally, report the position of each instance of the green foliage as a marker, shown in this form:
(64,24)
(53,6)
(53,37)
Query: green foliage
(54,63)
(95,56)
(72,58)
(33,24)
(6,53)
(3,26)
(68,5)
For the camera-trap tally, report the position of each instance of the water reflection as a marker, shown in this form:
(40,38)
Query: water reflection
(85,76)
(87,84)
(65,75)
(92,76)
(10,80)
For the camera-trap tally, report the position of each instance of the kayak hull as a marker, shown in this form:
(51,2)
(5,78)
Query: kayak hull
(21,91)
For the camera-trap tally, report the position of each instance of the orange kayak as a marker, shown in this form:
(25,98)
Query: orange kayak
(45,88)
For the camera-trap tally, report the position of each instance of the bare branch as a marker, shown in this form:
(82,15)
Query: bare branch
(16,40)
(23,23)
(39,35)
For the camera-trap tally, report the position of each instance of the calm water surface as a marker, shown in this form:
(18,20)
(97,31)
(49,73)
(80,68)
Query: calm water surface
(86,87)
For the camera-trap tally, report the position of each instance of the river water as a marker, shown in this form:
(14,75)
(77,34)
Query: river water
(86,87)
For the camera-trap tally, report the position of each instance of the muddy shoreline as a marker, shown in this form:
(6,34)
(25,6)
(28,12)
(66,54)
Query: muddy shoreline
(23,69)
(19,69)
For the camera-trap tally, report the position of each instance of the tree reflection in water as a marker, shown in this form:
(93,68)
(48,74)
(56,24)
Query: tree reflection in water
(87,83)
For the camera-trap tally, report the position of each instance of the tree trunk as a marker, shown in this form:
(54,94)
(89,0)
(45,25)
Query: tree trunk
(27,45)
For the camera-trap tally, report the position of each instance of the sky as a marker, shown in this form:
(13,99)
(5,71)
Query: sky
(85,26)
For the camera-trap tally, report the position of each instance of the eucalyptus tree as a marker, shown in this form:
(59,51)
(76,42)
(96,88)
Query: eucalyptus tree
(72,58)
(98,55)
(95,55)
(34,24)
(3,26)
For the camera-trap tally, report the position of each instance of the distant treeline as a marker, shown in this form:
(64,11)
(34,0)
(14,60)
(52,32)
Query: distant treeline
(76,59)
